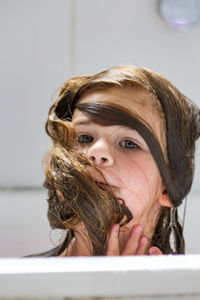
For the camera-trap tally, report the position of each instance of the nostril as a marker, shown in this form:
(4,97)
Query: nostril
(103,159)
(92,158)
(100,160)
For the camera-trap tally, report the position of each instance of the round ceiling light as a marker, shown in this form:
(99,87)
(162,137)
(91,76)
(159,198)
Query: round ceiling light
(180,13)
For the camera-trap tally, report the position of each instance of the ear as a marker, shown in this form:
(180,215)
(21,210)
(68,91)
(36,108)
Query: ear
(164,200)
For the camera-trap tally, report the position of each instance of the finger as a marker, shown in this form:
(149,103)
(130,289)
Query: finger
(142,247)
(133,241)
(113,241)
(155,251)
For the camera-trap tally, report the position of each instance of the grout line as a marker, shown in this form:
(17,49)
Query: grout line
(20,188)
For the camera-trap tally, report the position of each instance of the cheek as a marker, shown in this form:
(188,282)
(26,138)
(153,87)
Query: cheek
(140,181)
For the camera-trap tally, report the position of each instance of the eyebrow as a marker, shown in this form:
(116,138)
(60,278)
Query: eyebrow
(83,122)
(89,122)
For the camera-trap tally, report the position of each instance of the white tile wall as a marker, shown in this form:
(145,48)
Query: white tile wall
(24,227)
(34,61)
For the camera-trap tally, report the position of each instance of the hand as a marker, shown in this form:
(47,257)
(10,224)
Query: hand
(136,244)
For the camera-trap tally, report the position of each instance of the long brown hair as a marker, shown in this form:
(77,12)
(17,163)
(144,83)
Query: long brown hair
(83,201)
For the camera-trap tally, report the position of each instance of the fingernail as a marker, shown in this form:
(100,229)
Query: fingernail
(152,251)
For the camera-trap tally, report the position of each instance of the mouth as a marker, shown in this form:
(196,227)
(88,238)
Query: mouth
(103,185)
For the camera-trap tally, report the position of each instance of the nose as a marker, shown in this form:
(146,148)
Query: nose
(100,154)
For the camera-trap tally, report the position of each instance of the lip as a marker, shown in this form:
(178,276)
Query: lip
(104,185)
(101,184)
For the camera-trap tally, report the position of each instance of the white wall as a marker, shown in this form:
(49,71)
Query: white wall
(44,43)
(34,62)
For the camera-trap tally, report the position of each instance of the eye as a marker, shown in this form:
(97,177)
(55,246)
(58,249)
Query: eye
(85,139)
(128,144)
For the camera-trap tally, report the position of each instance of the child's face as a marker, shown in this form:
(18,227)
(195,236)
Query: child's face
(122,155)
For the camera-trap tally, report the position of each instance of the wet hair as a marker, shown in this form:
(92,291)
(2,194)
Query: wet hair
(98,209)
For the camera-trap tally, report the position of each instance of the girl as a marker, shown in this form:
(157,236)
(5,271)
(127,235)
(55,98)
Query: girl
(121,162)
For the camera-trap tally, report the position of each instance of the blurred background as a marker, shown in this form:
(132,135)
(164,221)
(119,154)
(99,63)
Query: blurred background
(43,44)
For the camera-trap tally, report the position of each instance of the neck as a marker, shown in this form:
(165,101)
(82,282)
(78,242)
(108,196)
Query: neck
(148,224)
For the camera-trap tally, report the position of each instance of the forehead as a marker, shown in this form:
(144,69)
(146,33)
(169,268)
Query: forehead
(129,98)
